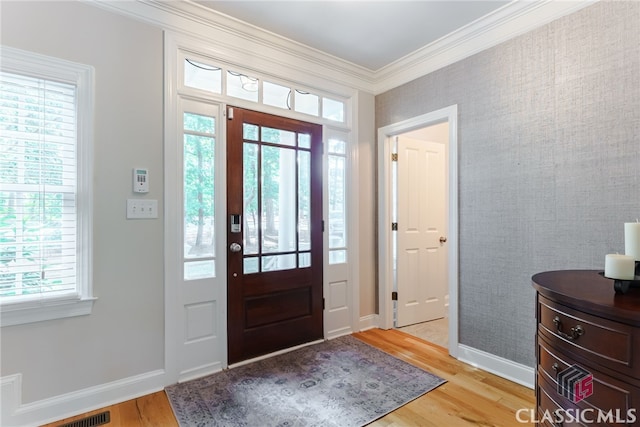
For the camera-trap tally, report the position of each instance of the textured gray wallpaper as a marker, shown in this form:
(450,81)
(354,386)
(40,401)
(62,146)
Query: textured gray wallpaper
(549,161)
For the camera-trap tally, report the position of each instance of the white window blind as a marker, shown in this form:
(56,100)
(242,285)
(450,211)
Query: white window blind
(46,158)
(37,188)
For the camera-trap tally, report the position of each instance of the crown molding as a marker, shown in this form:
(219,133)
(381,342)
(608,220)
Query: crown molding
(507,22)
(234,41)
(254,48)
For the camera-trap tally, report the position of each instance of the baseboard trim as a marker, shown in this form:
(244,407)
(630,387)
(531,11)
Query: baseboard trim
(338,333)
(505,368)
(199,372)
(15,413)
(368,322)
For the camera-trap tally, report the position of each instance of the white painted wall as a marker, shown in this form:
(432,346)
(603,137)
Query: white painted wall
(124,336)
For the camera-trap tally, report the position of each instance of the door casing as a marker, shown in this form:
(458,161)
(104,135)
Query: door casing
(385,252)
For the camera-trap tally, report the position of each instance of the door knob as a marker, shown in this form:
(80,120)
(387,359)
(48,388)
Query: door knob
(443,239)
(235,247)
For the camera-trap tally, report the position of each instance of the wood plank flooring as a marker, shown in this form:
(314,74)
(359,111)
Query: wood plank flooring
(471,397)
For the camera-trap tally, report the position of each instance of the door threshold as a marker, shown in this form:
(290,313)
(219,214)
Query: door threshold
(275,353)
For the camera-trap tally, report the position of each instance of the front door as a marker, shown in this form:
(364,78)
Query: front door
(274,233)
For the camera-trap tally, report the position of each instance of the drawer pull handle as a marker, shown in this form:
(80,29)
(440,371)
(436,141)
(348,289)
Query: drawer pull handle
(574,333)
(555,367)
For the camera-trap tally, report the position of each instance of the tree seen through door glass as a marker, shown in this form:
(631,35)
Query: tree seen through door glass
(198,171)
(337,157)
(277,136)
(276,193)
(250,187)
(278,200)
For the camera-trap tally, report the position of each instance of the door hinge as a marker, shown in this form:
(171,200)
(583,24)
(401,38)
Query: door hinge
(394,296)
(323,303)
(230,114)
(323,225)
(394,226)
(394,157)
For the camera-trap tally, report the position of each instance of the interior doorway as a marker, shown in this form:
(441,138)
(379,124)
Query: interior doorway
(439,243)
(420,200)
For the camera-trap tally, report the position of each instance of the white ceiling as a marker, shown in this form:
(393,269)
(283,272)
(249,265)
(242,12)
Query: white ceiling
(370,34)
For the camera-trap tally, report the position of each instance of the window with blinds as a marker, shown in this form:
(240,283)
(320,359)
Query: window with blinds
(40,255)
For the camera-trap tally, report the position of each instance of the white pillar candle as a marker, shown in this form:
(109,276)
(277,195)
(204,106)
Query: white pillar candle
(632,239)
(618,266)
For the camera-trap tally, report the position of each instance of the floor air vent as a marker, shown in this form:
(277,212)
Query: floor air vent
(91,421)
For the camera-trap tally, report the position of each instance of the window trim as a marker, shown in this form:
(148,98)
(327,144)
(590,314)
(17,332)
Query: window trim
(82,76)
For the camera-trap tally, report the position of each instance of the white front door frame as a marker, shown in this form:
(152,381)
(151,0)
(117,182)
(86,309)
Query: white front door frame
(385,253)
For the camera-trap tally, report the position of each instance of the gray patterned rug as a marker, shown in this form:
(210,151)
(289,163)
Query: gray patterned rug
(343,382)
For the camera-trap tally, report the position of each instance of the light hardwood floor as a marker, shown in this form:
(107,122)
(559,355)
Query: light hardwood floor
(435,331)
(471,397)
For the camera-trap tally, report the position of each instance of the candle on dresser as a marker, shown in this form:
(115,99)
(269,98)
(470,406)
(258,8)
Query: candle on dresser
(620,267)
(632,239)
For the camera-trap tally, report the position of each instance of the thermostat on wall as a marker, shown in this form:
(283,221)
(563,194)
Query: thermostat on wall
(140,180)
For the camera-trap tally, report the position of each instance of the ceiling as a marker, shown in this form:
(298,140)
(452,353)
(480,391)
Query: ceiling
(370,34)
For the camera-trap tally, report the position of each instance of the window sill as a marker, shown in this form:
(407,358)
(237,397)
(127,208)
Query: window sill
(21,313)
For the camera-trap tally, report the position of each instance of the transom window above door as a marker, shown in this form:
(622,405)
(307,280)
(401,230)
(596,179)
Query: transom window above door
(207,76)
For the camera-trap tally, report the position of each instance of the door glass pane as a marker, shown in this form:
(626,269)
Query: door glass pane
(242,86)
(278,136)
(202,76)
(304,140)
(337,213)
(337,146)
(199,123)
(199,238)
(306,103)
(276,95)
(338,257)
(199,269)
(279,262)
(250,190)
(304,260)
(278,186)
(250,131)
(304,200)
(251,265)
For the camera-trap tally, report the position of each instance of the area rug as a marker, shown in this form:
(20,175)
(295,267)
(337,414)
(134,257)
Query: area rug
(342,382)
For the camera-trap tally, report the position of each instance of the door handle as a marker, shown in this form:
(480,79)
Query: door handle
(443,239)
(235,247)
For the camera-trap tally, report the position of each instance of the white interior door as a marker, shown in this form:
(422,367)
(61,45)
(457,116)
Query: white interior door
(421,237)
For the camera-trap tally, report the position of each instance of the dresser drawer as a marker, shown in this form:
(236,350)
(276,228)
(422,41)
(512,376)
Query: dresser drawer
(605,342)
(608,393)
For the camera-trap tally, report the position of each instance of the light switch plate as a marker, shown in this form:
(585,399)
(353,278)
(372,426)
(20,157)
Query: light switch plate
(142,209)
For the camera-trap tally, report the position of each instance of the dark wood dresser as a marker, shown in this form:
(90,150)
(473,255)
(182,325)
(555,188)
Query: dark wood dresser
(585,328)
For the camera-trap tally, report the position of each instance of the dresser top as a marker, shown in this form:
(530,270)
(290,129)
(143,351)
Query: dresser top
(588,291)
